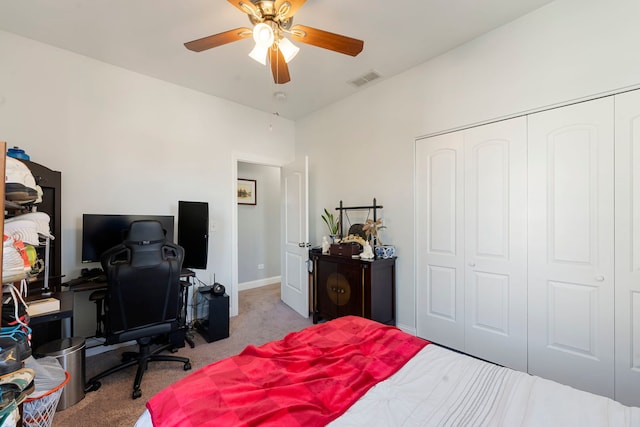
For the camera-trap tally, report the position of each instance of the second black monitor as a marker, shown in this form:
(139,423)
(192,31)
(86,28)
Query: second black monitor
(193,233)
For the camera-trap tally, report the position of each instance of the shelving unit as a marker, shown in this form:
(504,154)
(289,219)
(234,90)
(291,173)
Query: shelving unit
(373,207)
(3,147)
(49,250)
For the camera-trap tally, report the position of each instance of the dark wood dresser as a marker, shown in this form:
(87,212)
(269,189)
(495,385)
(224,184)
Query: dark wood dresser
(351,286)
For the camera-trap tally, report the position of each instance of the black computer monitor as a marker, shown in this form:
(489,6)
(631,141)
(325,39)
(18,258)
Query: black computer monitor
(193,233)
(103,231)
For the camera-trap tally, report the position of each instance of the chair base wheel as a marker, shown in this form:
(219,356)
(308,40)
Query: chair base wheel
(136,393)
(92,387)
(187,366)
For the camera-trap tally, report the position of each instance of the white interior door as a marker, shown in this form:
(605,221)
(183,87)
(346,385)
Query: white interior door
(571,244)
(440,242)
(627,365)
(495,242)
(295,226)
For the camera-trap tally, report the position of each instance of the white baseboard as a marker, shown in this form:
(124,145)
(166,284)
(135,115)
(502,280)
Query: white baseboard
(258,283)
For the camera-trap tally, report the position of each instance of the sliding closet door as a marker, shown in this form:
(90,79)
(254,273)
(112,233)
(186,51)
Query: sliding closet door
(571,239)
(439,235)
(627,367)
(495,242)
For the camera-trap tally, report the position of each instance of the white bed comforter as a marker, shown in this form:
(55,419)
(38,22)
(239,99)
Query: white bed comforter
(439,387)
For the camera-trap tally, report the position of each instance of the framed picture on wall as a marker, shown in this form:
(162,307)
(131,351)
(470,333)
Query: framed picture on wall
(246,191)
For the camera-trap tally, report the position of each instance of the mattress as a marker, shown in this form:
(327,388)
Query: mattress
(440,387)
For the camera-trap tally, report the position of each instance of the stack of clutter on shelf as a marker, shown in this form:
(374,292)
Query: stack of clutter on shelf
(20,185)
(24,232)
(22,235)
(16,381)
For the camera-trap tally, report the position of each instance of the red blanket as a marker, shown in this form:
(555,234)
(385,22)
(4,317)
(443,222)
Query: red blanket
(308,378)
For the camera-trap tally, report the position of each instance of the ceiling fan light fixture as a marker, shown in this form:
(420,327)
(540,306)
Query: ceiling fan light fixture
(259,53)
(270,21)
(288,49)
(263,35)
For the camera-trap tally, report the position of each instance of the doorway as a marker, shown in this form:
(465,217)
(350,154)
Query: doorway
(258,227)
(292,225)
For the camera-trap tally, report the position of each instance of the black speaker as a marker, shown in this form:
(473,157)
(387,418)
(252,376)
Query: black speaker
(216,326)
(193,233)
(217,290)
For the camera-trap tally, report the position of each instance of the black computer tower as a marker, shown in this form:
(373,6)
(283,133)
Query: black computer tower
(216,326)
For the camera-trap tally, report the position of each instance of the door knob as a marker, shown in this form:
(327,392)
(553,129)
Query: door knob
(472,264)
(600,278)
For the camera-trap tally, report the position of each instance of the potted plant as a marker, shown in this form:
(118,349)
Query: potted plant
(332,223)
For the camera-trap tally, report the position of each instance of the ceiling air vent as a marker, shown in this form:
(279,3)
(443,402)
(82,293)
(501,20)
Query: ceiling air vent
(364,79)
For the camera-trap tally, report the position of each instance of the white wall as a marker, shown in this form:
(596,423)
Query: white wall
(109,130)
(363,147)
(259,227)
(127,143)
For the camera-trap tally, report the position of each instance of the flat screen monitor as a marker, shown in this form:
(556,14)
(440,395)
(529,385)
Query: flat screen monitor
(101,232)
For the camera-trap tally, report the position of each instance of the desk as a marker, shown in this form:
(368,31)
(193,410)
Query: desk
(48,326)
(85,311)
(82,284)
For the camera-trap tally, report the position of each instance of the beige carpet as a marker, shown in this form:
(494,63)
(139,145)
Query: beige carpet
(262,317)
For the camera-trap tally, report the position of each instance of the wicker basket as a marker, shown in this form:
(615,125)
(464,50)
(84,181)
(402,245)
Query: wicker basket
(39,412)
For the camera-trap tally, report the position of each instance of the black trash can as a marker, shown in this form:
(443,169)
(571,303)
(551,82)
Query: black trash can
(70,352)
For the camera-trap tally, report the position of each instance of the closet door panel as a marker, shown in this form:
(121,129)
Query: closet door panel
(495,242)
(571,265)
(627,366)
(439,226)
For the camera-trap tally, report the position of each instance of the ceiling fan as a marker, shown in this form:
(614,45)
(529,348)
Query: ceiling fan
(272,20)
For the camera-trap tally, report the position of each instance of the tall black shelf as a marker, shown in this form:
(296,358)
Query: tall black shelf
(51,183)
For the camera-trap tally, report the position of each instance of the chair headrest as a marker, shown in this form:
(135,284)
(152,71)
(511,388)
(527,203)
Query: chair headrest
(145,231)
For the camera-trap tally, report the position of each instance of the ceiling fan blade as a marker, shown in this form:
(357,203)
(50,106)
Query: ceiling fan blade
(245,6)
(218,39)
(293,6)
(279,67)
(237,3)
(327,40)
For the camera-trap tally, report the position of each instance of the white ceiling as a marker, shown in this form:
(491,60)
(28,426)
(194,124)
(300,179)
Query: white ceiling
(147,36)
